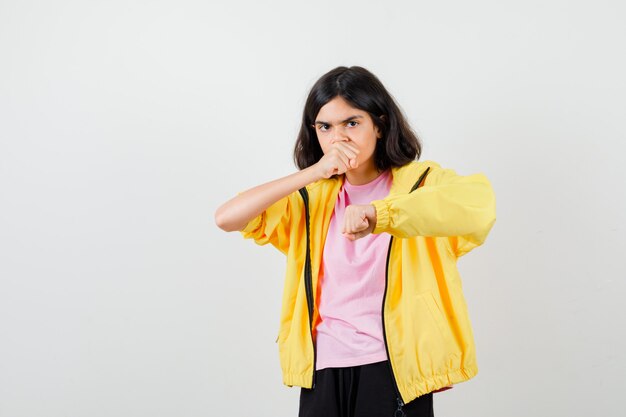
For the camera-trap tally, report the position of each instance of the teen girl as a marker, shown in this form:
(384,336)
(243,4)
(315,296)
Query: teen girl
(373,318)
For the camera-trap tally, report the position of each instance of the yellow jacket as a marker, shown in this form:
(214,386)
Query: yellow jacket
(434,216)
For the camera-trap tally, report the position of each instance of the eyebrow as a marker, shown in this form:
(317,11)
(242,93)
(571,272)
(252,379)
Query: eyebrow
(320,122)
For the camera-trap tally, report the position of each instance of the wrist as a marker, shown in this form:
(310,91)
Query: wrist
(313,173)
(373,216)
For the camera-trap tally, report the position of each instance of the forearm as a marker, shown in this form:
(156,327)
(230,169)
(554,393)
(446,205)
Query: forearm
(245,206)
(461,206)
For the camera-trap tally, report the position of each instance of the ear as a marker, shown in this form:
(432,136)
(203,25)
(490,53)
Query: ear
(378,132)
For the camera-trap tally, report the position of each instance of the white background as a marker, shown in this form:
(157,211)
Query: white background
(125,124)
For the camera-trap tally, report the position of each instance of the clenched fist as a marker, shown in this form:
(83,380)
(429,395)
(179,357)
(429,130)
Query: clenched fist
(342,156)
(359,220)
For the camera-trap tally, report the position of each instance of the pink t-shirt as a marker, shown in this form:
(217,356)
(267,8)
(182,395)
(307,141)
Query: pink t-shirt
(352,279)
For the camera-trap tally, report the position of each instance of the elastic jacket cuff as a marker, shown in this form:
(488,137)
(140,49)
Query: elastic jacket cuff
(382,216)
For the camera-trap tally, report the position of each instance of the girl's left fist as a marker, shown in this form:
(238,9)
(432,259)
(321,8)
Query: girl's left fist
(359,220)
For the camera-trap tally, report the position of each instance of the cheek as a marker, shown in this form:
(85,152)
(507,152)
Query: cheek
(324,145)
(368,147)
(325,142)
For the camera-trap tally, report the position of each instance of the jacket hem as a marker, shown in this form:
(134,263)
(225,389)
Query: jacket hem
(420,386)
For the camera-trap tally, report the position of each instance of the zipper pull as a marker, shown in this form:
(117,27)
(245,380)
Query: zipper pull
(399,412)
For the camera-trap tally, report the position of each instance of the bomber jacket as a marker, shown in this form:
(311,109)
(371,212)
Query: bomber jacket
(434,216)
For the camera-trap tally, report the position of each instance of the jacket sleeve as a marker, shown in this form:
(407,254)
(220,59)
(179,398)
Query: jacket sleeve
(461,208)
(273,225)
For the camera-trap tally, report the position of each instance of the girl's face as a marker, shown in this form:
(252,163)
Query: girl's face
(337,120)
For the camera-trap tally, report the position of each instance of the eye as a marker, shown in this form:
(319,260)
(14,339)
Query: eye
(321,127)
(353,121)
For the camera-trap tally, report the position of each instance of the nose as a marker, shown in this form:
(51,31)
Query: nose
(338,135)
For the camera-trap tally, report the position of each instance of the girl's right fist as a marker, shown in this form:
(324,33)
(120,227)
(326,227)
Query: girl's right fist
(341,157)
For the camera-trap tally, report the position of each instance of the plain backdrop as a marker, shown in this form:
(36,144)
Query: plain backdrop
(125,124)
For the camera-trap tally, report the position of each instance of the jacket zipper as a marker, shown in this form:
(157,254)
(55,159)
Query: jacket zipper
(399,411)
(308,280)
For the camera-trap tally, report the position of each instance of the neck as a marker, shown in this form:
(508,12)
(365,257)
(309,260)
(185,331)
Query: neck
(362,175)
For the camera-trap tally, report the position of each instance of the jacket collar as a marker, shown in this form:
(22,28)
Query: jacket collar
(403,178)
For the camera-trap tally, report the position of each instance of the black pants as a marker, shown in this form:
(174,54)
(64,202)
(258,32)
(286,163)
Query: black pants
(359,391)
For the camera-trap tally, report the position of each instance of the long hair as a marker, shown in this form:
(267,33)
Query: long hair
(398,146)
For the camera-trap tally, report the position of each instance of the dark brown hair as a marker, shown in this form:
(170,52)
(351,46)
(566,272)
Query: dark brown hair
(398,146)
